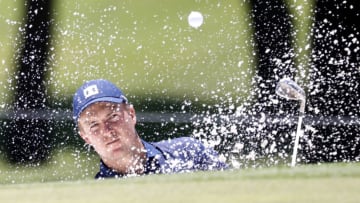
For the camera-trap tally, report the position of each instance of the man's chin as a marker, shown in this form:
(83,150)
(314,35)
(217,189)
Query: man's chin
(117,154)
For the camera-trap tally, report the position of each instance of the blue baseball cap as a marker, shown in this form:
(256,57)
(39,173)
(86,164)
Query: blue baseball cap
(96,91)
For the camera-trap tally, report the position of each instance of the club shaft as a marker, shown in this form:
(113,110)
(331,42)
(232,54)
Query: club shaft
(298,133)
(296,144)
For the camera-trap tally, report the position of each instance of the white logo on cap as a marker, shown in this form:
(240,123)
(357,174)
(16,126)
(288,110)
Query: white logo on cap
(90,91)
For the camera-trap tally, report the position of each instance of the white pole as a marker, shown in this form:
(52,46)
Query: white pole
(298,132)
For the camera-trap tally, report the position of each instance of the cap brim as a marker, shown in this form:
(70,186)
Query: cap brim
(102,99)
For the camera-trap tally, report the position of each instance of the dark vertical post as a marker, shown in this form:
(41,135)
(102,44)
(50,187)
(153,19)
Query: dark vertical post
(335,80)
(272,34)
(274,52)
(28,139)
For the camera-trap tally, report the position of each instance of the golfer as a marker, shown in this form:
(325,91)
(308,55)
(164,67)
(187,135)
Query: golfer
(106,121)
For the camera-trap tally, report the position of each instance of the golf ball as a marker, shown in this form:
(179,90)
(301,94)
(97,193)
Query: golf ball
(195,19)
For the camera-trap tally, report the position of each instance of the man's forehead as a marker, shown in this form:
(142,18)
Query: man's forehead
(96,108)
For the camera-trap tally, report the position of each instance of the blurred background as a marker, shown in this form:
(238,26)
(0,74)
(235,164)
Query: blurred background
(214,81)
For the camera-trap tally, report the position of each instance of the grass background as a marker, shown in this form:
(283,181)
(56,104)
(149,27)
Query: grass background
(148,49)
(328,183)
(145,47)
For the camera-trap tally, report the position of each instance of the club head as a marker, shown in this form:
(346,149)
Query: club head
(290,90)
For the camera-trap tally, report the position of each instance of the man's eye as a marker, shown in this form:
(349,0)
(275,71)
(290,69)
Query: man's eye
(94,127)
(114,117)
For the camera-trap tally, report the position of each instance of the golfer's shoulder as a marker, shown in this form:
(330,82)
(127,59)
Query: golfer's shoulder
(179,143)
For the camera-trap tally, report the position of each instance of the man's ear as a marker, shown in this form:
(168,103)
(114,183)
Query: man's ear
(132,113)
(84,137)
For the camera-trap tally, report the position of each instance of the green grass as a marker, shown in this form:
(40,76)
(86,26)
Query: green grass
(149,50)
(63,165)
(10,21)
(146,47)
(308,183)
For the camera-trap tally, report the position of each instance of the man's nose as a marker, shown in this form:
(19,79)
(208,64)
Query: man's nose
(108,130)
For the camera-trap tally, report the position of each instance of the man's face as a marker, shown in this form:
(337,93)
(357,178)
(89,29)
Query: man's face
(110,129)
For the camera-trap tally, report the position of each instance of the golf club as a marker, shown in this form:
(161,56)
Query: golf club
(290,90)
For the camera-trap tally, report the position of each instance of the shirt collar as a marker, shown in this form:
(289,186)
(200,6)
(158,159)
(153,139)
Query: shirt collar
(154,159)
(151,150)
